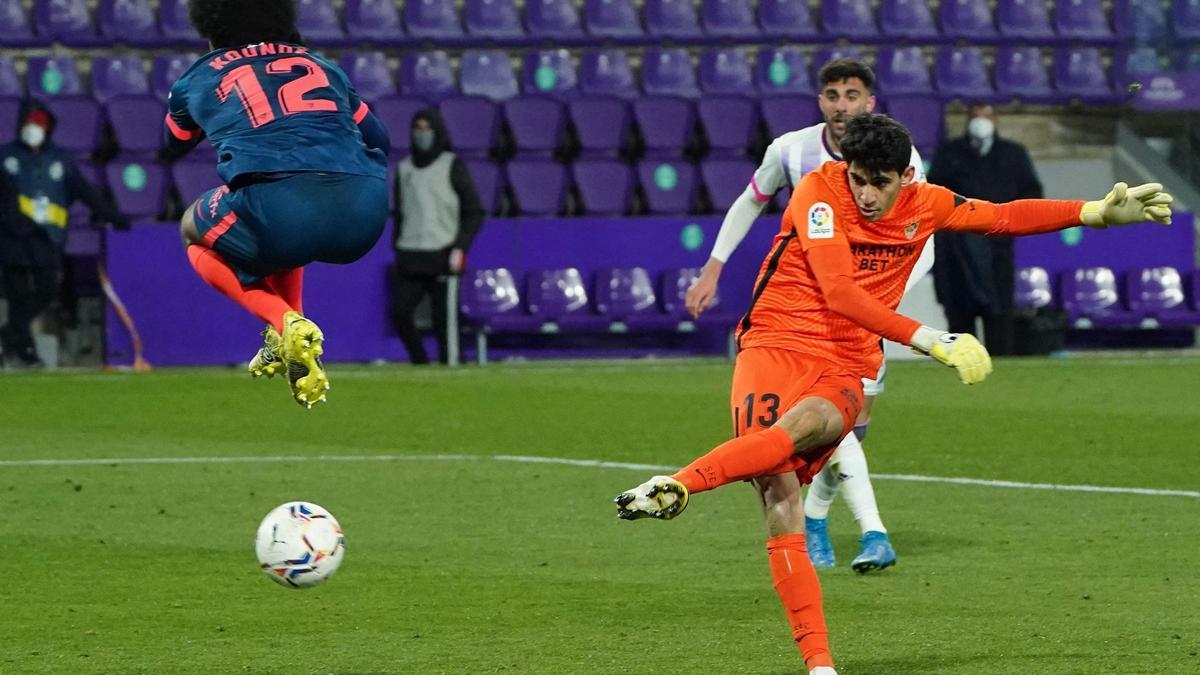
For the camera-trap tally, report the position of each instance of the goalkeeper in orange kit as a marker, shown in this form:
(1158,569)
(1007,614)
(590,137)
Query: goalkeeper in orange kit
(827,292)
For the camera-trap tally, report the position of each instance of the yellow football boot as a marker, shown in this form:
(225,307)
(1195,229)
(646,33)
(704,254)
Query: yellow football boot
(268,361)
(302,349)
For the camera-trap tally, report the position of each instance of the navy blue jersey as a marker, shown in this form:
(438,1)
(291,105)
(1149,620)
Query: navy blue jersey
(273,108)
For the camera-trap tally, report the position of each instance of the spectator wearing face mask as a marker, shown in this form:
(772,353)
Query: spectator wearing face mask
(38,183)
(973,275)
(438,214)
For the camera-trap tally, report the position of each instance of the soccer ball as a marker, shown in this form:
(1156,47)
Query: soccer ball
(299,545)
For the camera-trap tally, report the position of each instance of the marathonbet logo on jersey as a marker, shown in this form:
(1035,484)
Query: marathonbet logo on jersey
(820,221)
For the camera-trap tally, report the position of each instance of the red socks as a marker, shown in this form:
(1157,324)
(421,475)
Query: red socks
(749,456)
(289,285)
(799,590)
(260,299)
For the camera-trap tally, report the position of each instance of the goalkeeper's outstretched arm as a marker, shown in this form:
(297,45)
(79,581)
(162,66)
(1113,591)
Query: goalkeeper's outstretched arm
(1122,206)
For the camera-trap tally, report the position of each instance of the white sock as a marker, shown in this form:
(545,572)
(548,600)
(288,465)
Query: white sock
(823,490)
(856,483)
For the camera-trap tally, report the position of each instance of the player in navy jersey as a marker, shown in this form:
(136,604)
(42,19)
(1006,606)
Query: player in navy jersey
(305,168)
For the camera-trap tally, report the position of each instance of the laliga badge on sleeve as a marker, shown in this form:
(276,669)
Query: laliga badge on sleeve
(820,221)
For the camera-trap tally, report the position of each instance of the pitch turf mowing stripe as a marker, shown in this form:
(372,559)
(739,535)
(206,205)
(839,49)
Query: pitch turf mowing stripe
(592,463)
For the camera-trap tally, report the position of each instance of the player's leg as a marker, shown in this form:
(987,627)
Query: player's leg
(876,550)
(289,285)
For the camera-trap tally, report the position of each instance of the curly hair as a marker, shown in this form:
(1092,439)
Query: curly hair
(235,23)
(877,143)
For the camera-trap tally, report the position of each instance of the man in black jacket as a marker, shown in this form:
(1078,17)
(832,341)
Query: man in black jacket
(973,275)
(38,183)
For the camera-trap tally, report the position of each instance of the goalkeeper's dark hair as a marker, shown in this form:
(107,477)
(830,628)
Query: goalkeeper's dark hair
(839,70)
(877,143)
(229,24)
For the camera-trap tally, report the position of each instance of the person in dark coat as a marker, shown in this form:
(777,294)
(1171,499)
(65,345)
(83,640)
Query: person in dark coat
(974,275)
(438,214)
(38,183)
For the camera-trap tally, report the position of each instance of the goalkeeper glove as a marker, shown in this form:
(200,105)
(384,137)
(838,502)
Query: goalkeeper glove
(1126,205)
(960,351)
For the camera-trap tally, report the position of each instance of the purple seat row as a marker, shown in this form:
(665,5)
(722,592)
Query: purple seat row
(1155,297)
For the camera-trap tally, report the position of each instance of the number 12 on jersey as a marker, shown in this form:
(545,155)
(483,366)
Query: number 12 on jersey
(244,82)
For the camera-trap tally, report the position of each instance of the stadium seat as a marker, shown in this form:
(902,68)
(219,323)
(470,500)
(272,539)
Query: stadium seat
(549,72)
(912,19)
(925,118)
(319,23)
(137,123)
(849,19)
(732,19)
(395,113)
(791,19)
(626,293)
(783,71)
(487,73)
(539,186)
(166,70)
(959,72)
(1132,65)
(10,82)
(1144,23)
(967,20)
(1089,296)
(15,28)
(1032,288)
(669,186)
(602,124)
(427,75)
(606,72)
(672,295)
(193,177)
(789,113)
(1157,293)
(432,20)
(10,111)
(613,20)
(824,55)
(138,186)
(132,22)
(1079,73)
(537,124)
(553,19)
(374,21)
(667,124)
(68,22)
(1024,20)
(1021,73)
(175,26)
(1185,20)
(114,76)
(1187,60)
(490,298)
(487,179)
(1082,20)
(729,123)
(559,296)
(79,123)
(473,123)
(370,74)
(605,186)
(53,76)
(902,70)
(726,71)
(669,72)
(725,180)
(493,21)
(672,19)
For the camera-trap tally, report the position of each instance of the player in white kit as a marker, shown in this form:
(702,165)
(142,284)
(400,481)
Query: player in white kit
(846,91)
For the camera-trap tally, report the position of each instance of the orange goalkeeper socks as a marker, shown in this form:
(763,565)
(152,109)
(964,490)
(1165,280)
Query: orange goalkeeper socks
(259,299)
(799,590)
(289,285)
(749,456)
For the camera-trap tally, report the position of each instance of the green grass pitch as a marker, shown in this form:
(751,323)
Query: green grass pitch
(482,565)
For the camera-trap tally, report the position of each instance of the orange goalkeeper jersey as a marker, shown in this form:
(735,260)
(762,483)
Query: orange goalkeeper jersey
(831,284)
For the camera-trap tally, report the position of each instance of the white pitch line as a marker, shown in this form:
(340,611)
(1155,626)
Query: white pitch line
(563,461)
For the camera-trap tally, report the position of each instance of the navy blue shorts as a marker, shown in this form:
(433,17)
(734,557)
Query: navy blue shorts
(298,219)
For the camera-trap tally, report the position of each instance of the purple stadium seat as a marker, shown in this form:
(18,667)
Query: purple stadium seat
(1079,73)
(612,19)
(1024,19)
(1135,64)
(967,20)
(602,124)
(789,113)
(138,186)
(53,76)
(428,75)
(554,19)
(432,20)
(1032,289)
(193,177)
(137,123)
(10,82)
(672,19)
(319,23)
(1157,293)
(68,22)
(1140,21)
(959,73)
(1185,19)
(488,73)
(726,71)
(1021,73)
(166,70)
(851,19)
(132,22)
(473,123)
(486,176)
(791,19)
(669,186)
(539,186)
(374,21)
(826,54)
(924,117)
(673,288)
(10,110)
(15,27)
(667,123)
(725,180)
(493,20)
(370,74)
(490,296)
(911,19)
(119,76)
(79,123)
(728,19)
(559,296)
(1082,19)
(175,26)
(729,123)
(1089,296)
(605,186)
(669,72)
(537,124)
(783,71)
(606,72)
(902,70)
(551,73)
(626,294)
